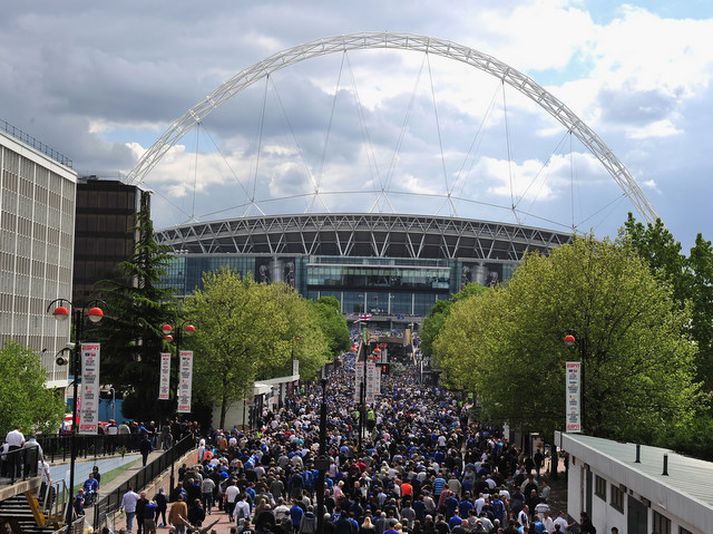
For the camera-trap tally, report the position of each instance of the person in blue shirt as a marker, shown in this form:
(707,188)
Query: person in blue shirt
(91,486)
(296,513)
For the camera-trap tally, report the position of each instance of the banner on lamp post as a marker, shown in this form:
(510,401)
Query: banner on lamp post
(573,385)
(89,408)
(164,386)
(373,381)
(358,380)
(185,381)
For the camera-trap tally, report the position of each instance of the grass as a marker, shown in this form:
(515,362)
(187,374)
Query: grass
(110,475)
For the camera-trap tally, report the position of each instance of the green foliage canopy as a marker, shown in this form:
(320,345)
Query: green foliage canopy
(24,399)
(246,330)
(506,344)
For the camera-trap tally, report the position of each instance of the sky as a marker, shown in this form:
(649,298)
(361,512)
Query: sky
(101,82)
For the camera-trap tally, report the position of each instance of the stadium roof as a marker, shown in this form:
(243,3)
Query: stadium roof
(363,235)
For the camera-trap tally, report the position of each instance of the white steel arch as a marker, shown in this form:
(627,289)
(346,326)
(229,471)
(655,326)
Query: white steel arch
(399,41)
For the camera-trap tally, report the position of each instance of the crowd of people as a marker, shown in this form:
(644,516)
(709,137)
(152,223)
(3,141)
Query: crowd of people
(425,467)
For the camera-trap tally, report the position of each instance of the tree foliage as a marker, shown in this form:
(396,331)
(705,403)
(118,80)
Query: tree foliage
(691,278)
(332,323)
(246,330)
(137,306)
(433,323)
(506,344)
(24,399)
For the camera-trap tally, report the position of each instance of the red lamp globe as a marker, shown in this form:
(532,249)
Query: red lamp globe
(189,328)
(168,338)
(60,313)
(167,328)
(569,340)
(95,314)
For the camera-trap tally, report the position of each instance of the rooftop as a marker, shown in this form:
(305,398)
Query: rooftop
(34,143)
(686,489)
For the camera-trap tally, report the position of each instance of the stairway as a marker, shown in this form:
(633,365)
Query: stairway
(18,510)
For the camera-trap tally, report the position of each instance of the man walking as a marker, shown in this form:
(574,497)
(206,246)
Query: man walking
(128,505)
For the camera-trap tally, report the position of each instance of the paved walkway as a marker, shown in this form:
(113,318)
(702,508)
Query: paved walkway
(84,467)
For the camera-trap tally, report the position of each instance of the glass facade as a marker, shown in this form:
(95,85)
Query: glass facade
(394,287)
(37,204)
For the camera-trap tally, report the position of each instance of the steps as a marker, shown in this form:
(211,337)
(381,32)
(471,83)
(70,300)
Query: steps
(19,510)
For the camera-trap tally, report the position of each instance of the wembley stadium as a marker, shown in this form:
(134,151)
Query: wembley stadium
(233,193)
(393,266)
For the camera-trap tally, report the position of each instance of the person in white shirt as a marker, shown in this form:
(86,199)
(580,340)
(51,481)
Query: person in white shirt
(231,495)
(128,504)
(242,509)
(548,522)
(15,439)
(523,517)
(562,522)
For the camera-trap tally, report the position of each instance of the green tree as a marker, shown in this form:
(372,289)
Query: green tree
(24,399)
(506,344)
(137,306)
(333,324)
(700,263)
(247,330)
(439,312)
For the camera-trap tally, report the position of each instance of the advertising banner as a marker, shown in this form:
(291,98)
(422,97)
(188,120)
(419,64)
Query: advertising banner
(185,381)
(358,379)
(164,386)
(573,385)
(89,408)
(373,381)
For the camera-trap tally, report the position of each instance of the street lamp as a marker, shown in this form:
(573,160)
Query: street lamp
(322,461)
(61,309)
(184,327)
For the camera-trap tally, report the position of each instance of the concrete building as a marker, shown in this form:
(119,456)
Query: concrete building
(606,481)
(37,197)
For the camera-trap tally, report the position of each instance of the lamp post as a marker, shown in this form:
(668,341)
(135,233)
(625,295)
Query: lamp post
(182,328)
(61,309)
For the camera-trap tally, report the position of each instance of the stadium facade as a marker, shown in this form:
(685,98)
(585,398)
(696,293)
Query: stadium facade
(393,266)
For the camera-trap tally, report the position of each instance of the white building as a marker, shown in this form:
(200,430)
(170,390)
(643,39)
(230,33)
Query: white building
(37,195)
(606,481)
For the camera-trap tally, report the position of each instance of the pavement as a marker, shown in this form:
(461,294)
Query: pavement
(84,467)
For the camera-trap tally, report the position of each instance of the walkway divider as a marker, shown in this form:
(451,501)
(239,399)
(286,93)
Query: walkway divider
(111,502)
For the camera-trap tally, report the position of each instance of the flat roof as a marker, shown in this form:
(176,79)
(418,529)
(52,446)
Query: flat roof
(689,479)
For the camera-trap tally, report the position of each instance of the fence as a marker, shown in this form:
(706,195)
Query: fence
(111,502)
(18,464)
(34,143)
(59,447)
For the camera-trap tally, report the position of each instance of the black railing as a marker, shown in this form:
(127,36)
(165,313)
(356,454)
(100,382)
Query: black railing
(18,464)
(111,502)
(59,447)
(34,143)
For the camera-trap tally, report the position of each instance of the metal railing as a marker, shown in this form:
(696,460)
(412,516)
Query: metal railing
(34,143)
(18,464)
(59,447)
(110,502)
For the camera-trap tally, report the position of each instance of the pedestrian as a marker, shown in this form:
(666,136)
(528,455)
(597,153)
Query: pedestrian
(128,506)
(145,448)
(178,515)
(161,506)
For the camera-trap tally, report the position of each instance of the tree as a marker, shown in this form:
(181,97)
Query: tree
(132,340)
(246,330)
(700,263)
(25,400)
(332,323)
(439,312)
(691,278)
(506,344)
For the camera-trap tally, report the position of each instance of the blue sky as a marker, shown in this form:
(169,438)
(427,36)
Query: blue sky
(103,82)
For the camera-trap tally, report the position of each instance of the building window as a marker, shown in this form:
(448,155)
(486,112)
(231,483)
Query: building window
(600,487)
(662,524)
(617,498)
(682,530)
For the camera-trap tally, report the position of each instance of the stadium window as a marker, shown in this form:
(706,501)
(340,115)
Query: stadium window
(617,498)
(662,524)
(600,488)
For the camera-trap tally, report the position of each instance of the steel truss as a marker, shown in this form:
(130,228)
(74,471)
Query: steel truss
(399,41)
(359,235)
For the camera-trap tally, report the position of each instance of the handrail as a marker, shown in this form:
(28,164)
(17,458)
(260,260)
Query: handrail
(18,464)
(111,501)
